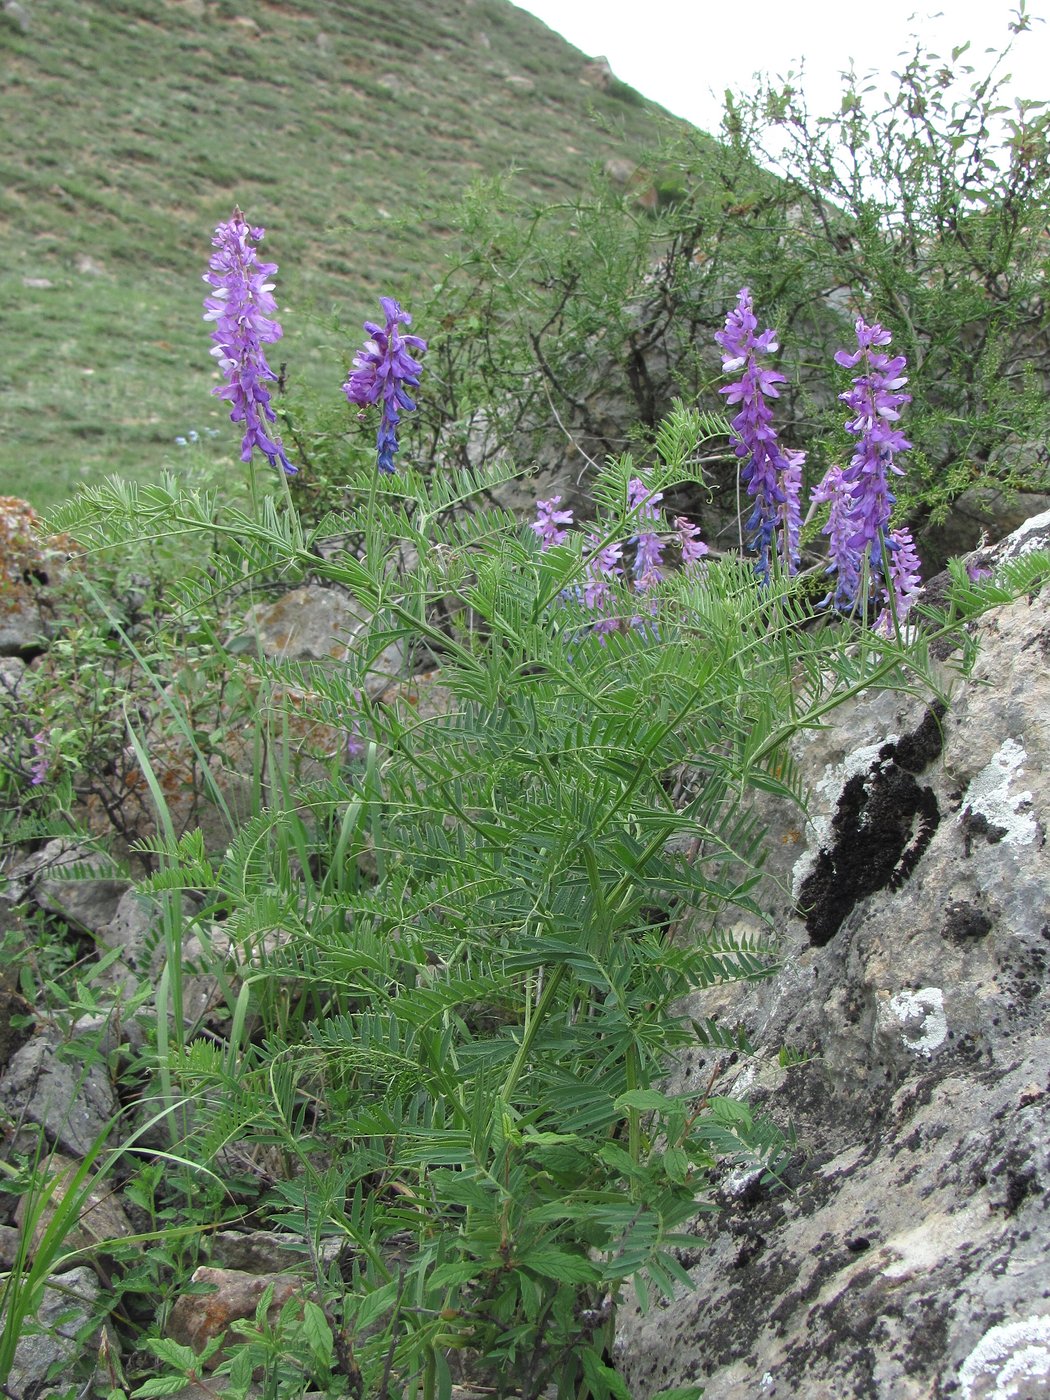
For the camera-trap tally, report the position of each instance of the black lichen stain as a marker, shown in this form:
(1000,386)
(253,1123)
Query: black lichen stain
(882,826)
(977,824)
(964,921)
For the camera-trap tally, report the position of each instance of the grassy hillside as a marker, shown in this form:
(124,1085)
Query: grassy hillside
(131,127)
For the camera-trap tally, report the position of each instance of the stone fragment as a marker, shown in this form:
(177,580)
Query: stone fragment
(9,1240)
(73,1105)
(196,1318)
(16,1023)
(68,1305)
(30,566)
(315,624)
(263,1251)
(52,876)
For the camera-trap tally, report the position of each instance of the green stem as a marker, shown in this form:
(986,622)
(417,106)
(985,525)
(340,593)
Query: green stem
(546,1001)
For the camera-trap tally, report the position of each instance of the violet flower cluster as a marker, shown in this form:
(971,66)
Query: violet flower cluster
(604,566)
(771,477)
(41,764)
(859,495)
(382,368)
(648,543)
(242,306)
(905,582)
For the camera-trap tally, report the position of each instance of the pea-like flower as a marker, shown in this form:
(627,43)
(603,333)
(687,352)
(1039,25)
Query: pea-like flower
(692,546)
(548,522)
(382,368)
(844,560)
(648,545)
(242,306)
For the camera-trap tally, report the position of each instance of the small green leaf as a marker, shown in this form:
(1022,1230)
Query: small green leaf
(173,1353)
(647,1100)
(605,1383)
(558,1264)
(676,1164)
(159,1385)
(318,1334)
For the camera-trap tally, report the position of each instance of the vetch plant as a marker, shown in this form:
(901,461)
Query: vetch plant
(549,522)
(862,548)
(876,401)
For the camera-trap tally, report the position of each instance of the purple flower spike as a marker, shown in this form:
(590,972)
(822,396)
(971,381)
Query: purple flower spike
(844,559)
(242,308)
(547,522)
(905,581)
(875,403)
(382,368)
(603,567)
(754,437)
(41,764)
(789,514)
(649,546)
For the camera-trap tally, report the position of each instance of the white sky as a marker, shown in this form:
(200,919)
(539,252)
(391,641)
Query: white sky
(685,53)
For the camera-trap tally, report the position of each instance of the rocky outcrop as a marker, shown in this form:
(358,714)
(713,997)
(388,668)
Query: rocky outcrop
(30,566)
(905,1043)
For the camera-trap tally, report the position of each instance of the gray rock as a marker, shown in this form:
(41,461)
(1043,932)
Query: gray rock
(910,1256)
(67,1307)
(72,1105)
(12,669)
(133,930)
(51,876)
(990,511)
(315,624)
(263,1251)
(9,1240)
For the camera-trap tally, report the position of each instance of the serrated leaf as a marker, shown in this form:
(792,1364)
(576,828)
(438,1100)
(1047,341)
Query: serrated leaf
(620,1160)
(159,1385)
(647,1100)
(676,1164)
(173,1353)
(374,1304)
(559,1265)
(318,1334)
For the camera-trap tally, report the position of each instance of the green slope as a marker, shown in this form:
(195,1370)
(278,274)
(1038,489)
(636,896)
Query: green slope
(131,127)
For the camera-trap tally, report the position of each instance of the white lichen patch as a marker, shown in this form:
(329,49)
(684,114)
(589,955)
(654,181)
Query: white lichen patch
(1013,1355)
(920,1014)
(1026,538)
(826,795)
(989,795)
